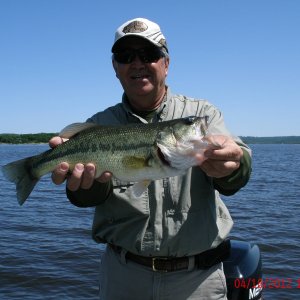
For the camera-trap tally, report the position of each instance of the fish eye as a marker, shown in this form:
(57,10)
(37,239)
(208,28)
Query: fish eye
(190,120)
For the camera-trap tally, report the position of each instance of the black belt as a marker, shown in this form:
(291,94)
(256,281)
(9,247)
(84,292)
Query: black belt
(203,260)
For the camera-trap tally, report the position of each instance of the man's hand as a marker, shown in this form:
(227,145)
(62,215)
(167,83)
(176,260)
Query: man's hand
(224,160)
(82,176)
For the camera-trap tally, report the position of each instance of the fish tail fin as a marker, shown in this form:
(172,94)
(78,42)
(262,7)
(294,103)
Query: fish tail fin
(19,173)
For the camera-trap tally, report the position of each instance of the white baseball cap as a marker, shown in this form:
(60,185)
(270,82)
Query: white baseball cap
(142,28)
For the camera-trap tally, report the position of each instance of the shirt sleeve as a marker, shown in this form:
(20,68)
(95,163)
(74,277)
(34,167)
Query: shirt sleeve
(94,196)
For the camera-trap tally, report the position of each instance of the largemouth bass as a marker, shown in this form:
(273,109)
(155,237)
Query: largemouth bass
(132,153)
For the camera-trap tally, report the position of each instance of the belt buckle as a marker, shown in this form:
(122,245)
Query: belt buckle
(154,259)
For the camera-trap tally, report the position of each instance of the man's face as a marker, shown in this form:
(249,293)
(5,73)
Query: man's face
(143,83)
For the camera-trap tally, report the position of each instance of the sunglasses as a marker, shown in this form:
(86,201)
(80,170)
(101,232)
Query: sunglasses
(146,55)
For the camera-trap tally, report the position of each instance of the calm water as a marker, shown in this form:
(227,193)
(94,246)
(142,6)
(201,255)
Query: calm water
(46,250)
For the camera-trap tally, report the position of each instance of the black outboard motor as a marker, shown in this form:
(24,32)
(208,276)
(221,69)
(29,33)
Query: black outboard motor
(243,271)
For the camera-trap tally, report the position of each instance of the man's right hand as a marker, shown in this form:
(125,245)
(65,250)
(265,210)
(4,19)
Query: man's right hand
(82,176)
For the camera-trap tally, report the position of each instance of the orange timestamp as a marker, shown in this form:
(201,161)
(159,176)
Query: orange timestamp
(267,283)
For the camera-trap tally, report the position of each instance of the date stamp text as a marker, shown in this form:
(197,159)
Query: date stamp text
(267,283)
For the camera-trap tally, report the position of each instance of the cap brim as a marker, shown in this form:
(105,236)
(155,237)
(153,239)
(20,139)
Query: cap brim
(118,43)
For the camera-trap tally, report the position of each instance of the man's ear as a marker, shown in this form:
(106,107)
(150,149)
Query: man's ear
(167,62)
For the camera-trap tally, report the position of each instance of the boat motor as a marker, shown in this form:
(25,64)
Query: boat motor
(243,271)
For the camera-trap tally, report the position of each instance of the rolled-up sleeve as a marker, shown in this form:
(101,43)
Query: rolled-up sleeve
(94,196)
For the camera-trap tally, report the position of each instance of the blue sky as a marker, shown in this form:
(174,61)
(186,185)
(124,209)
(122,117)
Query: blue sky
(242,56)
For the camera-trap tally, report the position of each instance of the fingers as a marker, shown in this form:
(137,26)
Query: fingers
(219,169)
(56,140)
(229,151)
(59,174)
(105,177)
(215,141)
(83,176)
(223,161)
(74,180)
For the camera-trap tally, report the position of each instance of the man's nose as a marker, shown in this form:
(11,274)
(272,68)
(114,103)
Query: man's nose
(137,60)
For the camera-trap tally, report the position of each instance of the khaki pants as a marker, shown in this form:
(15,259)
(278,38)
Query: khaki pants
(126,280)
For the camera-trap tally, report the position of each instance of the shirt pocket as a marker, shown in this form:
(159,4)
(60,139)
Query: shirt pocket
(122,203)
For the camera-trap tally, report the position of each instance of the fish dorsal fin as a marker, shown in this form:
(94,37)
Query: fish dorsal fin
(75,128)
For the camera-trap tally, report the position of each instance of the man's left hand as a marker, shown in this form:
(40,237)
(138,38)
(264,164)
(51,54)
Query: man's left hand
(224,160)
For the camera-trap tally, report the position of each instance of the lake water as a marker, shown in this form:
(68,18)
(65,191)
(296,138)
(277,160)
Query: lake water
(46,250)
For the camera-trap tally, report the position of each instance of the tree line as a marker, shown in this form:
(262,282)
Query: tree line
(271,140)
(30,138)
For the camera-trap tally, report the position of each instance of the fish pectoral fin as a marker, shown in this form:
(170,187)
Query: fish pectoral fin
(75,128)
(140,187)
(135,162)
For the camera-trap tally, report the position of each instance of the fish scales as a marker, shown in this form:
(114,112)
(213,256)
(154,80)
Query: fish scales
(88,145)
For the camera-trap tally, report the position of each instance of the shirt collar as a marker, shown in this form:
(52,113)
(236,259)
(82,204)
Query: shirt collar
(161,111)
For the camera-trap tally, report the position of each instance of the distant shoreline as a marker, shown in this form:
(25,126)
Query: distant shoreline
(30,138)
(271,140)
(43,138)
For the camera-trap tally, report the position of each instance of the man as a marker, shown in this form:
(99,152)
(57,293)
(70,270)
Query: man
(169,242)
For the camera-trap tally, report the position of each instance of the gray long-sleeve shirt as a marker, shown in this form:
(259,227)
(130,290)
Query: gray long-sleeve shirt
(177,216)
